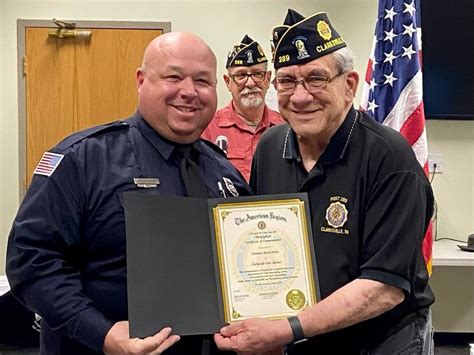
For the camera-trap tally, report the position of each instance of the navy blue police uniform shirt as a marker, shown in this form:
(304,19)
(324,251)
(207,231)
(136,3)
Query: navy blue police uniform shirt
(66,252)
(370,205)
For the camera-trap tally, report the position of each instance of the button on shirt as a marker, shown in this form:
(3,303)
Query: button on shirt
(242,140)
(66,254)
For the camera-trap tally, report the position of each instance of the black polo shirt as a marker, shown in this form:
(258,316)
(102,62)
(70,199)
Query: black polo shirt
(370,204)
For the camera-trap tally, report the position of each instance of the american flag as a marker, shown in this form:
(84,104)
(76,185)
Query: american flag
(48,163)
(393,90)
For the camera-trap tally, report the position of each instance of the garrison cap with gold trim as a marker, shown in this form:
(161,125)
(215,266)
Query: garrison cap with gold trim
(246,53)
(300,40)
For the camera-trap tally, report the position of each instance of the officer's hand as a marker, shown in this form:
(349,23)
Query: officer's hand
(117,341)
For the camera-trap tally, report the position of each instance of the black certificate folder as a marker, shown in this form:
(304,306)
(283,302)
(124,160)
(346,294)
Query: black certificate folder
(174,262)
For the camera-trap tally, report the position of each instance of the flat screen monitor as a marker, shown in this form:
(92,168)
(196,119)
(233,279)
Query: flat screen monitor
(448,59)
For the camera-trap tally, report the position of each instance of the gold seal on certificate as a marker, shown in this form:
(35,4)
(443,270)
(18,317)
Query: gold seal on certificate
(265,261)
(295,299)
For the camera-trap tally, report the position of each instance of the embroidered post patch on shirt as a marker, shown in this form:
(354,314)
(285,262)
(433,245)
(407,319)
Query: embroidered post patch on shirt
(48,163)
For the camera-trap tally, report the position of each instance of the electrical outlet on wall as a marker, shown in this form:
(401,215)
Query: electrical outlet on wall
(435,163)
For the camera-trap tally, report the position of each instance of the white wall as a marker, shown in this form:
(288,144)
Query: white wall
(221,24)
(454,188)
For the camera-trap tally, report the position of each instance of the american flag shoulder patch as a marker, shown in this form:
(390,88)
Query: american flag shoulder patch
(48,163)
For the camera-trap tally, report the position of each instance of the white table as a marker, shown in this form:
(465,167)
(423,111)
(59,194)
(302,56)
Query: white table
(447,253)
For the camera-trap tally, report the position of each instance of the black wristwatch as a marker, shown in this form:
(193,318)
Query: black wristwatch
(298,335)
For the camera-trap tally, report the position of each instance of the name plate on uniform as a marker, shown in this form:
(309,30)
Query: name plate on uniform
(195,264)
(265,258)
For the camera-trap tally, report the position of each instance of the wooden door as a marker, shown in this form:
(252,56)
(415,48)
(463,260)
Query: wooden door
(75,83)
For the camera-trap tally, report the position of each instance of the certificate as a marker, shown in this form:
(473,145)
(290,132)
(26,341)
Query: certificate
(264,258)
(195,264)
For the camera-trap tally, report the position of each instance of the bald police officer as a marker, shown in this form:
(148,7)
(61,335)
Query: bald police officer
(66,257)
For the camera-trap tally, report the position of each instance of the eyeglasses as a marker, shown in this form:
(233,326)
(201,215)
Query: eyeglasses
(257,77)
(313,83)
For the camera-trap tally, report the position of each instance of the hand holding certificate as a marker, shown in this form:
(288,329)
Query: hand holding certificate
(195,264)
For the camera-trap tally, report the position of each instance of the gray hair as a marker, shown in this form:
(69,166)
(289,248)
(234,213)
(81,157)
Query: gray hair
(344,59)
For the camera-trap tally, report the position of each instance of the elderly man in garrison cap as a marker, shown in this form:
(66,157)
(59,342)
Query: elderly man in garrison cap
(370,205)
(237,128)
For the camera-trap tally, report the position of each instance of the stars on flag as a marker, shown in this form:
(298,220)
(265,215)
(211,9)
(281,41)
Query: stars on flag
(408,51)
(389,35)
(409,30)
(393,90)
(389,79)
(410,8)
(397,44)
(389,57)
(372,84)
(389,13)
(372,106)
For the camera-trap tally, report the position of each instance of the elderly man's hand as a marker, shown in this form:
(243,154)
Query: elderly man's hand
(255,336)
(117,341)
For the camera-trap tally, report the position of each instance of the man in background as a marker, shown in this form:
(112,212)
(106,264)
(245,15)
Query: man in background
(237,127)
(66,254)
(369,200)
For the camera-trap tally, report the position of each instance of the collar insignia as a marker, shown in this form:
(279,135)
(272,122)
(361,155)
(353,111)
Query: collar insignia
(230,186)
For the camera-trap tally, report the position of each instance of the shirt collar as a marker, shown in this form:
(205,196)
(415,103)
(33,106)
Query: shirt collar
(161,144)
(336,147)
(231,118)
(234,119)
(268,119)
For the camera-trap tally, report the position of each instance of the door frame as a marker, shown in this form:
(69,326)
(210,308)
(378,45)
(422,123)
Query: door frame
(22,24)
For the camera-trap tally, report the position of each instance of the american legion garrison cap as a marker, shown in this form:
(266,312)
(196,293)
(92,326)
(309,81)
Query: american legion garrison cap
(300,40)
(246,53)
